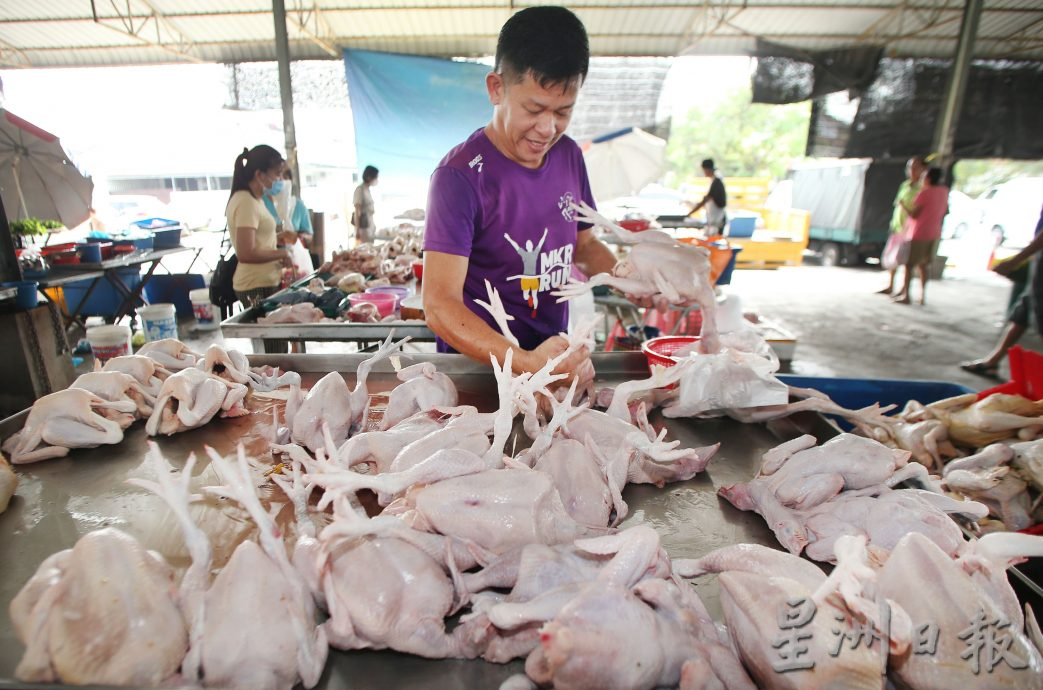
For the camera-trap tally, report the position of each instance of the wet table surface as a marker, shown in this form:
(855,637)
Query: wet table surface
(60,500)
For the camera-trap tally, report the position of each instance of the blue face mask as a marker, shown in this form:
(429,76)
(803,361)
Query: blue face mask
(276,187)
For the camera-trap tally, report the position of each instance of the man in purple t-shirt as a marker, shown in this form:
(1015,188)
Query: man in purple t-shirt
(500,204)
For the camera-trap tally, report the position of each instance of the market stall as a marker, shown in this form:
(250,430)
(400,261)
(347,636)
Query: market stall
(122,274)
(87,490)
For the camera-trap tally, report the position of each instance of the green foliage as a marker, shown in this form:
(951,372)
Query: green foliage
(33,226)
(745,139)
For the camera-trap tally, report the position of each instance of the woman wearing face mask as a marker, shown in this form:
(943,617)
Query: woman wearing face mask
(252,229)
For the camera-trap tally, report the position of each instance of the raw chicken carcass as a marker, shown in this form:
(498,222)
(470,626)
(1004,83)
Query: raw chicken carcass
(775,604)
(147,371)
(72,418)
(977,423)
(497,509)
(260,630)
(190,399)
(649,459)
(233,366)
(331,402)
(958,603)
(423,388)
(104,612)
(303,312)
(170,353)
(1007,499)
(116,386)
(666,271)
(8,483)
(384,591)
(379,448)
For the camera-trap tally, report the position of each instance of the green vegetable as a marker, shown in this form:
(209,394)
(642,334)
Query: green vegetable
(33,226)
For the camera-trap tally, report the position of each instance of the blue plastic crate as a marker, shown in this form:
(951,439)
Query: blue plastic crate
(104,300)
(742,226)
(174,289)
(857,393)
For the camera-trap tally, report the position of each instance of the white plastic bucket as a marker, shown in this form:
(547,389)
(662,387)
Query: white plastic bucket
(206,313)
(109,341)
(159,321)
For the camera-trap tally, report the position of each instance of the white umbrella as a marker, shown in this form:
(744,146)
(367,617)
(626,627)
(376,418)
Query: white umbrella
(37,180)
(623,162)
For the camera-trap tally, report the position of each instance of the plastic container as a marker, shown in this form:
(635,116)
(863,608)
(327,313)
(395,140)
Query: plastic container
(726,275)
(27,297)
(175,289)
(660,351)
(742,226)
(109,341)
(400,293)
(857,393)
(1026,375)
(207,315)
(166,238)
(158,321)
(103,300)
(90,253)
(418,270)
(385,303)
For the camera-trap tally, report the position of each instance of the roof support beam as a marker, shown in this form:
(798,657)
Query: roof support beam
(126,23)
(282,52)
(321,35)
(949,118)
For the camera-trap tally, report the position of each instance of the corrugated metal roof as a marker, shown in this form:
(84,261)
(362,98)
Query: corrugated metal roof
(66,33)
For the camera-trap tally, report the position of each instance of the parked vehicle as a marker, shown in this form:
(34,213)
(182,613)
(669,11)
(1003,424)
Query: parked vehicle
(1010,211)
(850,200)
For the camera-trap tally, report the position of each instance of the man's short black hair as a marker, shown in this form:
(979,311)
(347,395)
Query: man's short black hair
(547,42)
(369,174)
(708,164)
(934,175)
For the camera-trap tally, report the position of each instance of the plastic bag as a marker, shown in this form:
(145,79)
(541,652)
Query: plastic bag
(301,260)
(896,252)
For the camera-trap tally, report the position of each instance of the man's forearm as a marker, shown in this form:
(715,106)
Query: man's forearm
(469,335)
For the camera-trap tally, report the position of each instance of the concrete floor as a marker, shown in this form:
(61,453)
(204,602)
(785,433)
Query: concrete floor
(844,329)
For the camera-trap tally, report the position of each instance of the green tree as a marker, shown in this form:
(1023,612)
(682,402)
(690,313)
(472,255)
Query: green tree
(745,139)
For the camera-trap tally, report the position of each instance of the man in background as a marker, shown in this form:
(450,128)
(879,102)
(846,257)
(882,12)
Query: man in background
(715,201)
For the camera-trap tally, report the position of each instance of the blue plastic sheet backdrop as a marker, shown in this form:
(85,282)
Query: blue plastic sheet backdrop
(410,111)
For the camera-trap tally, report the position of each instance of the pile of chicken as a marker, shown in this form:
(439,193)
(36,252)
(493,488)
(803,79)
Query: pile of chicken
(989,450)
(368,265)
(166,384)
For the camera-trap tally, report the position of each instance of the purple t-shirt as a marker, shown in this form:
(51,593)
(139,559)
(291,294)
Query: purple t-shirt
(515,226)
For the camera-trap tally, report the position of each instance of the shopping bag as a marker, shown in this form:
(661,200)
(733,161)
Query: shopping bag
(896,251)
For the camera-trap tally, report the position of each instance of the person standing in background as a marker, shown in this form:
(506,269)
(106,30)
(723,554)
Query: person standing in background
(715,201)
(252,228)
(291,215)
(362,216)
(907,192)
(926,214)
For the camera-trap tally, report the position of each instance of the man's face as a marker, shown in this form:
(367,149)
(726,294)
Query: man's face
(529,119)
(708,172)
(915,169)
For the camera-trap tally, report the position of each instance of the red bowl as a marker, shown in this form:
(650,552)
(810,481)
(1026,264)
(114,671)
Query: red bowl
(418,269)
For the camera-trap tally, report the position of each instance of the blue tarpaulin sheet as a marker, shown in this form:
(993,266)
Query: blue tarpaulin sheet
(410,111)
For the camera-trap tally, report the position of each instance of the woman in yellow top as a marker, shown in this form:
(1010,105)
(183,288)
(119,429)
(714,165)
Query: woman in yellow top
(252,228)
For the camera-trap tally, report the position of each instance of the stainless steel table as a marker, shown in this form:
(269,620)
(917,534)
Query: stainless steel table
(244,325)
(60,500)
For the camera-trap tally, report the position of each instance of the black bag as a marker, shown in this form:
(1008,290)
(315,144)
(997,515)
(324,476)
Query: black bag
(222,293)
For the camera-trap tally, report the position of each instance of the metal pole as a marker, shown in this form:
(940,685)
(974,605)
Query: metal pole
(282,54)
(945,132)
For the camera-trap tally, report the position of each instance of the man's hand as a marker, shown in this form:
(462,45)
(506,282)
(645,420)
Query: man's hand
(286,237)
(1005,268)
(574,365)
(644,302)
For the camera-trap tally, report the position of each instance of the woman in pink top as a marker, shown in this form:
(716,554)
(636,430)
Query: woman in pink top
(924,231)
